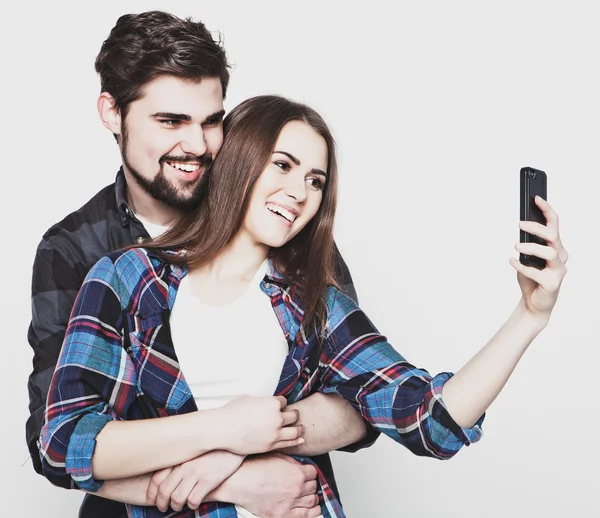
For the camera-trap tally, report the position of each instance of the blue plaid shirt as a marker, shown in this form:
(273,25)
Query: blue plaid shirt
(118,363)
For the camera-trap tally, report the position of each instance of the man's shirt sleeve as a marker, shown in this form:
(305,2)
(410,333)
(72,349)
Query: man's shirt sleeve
(398,399)
(54,287)
(94,381)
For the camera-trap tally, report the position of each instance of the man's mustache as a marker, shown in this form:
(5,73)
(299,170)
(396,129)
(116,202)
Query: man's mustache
(205,160)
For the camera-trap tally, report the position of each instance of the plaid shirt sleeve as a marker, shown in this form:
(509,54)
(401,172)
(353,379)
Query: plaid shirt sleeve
(398,399)
(94,381)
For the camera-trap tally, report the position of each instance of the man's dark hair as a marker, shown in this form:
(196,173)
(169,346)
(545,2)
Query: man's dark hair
(142,47)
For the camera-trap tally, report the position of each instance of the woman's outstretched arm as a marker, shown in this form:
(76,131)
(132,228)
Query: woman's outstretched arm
(473,388)
(436,415)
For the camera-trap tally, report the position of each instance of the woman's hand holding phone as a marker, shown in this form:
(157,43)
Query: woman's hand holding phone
(540,288)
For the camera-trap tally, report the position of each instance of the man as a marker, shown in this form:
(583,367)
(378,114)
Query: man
(163,81)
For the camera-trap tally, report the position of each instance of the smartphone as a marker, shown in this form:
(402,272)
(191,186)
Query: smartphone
(533,182)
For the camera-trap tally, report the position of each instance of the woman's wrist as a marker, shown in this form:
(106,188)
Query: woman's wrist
(532,323)
(212,427)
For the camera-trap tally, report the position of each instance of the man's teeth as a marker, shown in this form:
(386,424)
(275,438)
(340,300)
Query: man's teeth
(282,212)
(188,168)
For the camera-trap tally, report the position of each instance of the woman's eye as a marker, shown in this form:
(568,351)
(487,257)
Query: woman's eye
(316,183)
(283,165)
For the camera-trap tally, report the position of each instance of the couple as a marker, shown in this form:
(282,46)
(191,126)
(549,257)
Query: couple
(249,255)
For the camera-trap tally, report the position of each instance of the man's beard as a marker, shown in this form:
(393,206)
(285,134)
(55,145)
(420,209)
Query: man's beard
(164,191)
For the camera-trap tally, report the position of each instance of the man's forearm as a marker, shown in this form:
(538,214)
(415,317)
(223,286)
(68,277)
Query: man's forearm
(329,422)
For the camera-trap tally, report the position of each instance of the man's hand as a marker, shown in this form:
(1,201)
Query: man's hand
(190,482)
(272,485)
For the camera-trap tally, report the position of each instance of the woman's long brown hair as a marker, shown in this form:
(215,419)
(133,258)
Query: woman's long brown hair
(251,131)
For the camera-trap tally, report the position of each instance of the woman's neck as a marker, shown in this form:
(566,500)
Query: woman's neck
(228,275)
(240,259)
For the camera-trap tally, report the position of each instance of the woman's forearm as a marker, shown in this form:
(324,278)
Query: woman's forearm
(130,448)
(469,393)
(132,490)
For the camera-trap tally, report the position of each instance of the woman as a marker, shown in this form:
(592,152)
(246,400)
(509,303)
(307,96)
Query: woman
(250,274)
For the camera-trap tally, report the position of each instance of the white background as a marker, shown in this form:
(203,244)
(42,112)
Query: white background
(435,107)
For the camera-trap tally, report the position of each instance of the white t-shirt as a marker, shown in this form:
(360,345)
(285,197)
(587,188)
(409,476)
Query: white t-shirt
(153,229)
(228,350)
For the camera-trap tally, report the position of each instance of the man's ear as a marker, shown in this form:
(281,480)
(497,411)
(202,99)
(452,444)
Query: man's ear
(109,114)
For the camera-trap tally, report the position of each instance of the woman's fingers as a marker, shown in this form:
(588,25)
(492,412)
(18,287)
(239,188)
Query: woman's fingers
(548,234)
(282,445)
(157,479)
(290,433)
(196,497)
(543,252)
(528,271)
(549,279)
(180,495)
(166,489)
(290,416)
(548,212)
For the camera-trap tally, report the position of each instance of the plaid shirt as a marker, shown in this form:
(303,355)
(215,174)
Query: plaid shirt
(64,256)
(118,363)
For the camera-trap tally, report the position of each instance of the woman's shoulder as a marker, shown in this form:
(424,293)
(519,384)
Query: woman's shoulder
(124,267)
(338,303)
(128,261)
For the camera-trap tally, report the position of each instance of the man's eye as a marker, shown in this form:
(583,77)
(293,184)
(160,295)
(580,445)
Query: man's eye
(170,122)
(212,124)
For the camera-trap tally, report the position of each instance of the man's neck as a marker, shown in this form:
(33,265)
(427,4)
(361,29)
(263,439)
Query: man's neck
(146,207)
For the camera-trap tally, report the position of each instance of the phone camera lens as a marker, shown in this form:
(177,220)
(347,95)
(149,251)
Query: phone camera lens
(532,174)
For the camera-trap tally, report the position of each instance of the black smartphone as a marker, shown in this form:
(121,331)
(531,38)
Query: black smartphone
(533,182)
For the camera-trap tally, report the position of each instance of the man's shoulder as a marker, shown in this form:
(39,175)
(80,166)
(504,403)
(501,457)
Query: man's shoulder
(96,210)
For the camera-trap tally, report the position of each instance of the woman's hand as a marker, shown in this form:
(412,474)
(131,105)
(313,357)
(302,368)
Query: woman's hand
(540,287)
(190,482)
(259,424)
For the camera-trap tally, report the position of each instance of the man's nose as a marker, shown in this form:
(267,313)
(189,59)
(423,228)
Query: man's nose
(194,141)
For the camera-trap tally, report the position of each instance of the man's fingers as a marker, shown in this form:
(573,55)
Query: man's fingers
(307,501)
(313,512)
(282,401)
(310,472)
(310,488)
